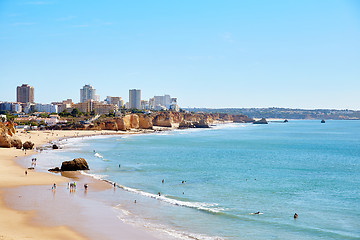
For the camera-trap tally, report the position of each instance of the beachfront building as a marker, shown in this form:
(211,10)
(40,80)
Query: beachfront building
(11,107)
(88,93)
(115,100)
(135,98)
(144,105)
(28,107)
(173,105)
(100,108)
(64,105)
(163,103)
(25,94)
(48,108)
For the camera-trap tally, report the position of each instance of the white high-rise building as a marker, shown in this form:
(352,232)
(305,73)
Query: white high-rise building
(135,98)
(161,101)
(88,93)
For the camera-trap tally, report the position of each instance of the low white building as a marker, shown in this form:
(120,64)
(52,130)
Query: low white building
(52,120)
(11,106)
(48,108)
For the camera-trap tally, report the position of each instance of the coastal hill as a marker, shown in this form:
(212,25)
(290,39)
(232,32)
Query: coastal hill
(285,113)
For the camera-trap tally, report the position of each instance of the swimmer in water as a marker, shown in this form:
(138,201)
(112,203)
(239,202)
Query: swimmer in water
(295,215)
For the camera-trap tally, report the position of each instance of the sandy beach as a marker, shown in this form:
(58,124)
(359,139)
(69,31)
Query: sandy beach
(30,210)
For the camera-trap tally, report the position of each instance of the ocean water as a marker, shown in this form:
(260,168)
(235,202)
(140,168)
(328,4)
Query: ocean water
(229,172)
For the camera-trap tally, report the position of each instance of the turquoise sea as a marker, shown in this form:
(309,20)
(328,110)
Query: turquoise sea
(229,172)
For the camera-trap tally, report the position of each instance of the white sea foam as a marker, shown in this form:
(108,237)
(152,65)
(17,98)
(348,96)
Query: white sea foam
(96,176)
(166,231)
(207,207)
(98,155)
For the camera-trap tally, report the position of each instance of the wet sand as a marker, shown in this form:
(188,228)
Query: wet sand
(30,208)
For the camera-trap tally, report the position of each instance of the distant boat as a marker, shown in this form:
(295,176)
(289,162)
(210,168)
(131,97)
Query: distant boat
(323,121)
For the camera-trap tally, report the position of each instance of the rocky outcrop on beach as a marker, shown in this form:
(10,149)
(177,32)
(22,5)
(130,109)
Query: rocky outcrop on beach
(75,165)
(124,123)
(16,142)
(134,121)
(7,136)
(56,169)
(163,120)
(145,121)
(54,146)
(202,124)
(28,145)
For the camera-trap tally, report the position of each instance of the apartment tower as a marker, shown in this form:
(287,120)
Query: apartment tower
(88,93)
(25,94)
(135,98)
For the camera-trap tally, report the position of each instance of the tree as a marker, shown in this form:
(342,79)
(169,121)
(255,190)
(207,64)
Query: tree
(75,112)
(43,115)
(64,113)
(93,112)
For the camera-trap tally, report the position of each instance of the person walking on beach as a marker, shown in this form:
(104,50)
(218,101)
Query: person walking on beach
(25,172)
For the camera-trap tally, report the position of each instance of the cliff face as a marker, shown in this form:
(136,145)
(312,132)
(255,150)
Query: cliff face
(134,121)
(145,121)
(7,138)
(242,119)
(163,119)
(124,123)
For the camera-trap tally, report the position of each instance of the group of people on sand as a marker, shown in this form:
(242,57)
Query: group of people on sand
(72,185)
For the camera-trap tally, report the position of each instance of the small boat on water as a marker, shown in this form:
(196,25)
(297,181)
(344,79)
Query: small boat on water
(323,121)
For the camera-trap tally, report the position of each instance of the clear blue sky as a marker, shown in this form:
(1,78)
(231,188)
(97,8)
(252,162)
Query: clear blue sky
(298,54)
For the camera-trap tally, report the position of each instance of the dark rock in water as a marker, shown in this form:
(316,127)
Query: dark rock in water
(261,121)
(55,146)
(285,121)
(56,169)
(28,145)
(323,121)
(31,168)
(74,165)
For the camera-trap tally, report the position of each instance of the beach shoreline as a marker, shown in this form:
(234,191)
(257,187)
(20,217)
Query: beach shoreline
(18,223)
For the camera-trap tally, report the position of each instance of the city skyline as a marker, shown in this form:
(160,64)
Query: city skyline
(208,54)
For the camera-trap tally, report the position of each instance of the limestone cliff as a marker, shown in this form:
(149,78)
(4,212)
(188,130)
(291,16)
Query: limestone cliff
(7,138)
(145,121)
